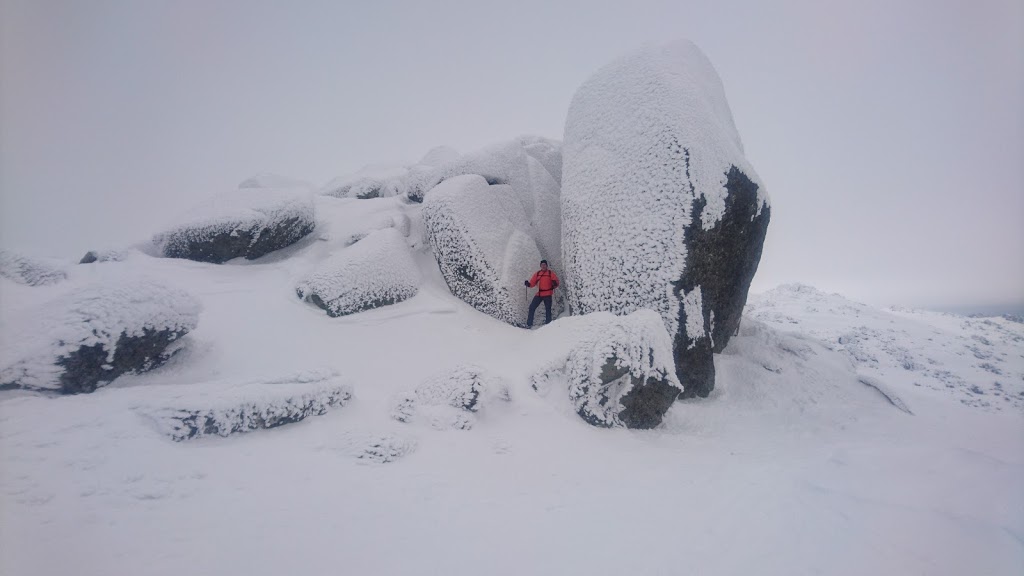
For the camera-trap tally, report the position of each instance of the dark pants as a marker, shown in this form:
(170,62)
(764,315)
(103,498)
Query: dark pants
(533,308)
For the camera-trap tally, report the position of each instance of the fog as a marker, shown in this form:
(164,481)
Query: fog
(890,136)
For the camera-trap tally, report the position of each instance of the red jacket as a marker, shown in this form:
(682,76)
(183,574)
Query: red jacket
(548,281)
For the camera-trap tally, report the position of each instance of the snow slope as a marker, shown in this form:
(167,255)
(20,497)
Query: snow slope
(793,465)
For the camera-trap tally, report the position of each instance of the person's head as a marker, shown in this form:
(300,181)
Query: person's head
(543,264)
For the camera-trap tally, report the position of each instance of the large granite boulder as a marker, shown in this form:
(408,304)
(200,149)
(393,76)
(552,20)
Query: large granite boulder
(79,343)
(30,271)
(660,209)
(480,237)
(616,370)
(376,271)
(249,222)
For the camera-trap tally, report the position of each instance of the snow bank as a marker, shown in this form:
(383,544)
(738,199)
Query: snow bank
(30,271)
(618,369)
(376,271)
(659,205)
(249,222)
(78,343)
(479,239)
(222,408)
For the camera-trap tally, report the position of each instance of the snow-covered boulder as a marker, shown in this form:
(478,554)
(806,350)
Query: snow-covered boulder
(480,237)
(618,370)
(86,340)
(522,165)
(374,181)
(224,408)
(30,271)
(108,255)
(660,209)
(275,181)
(448,400)
(376,271)
(248,223)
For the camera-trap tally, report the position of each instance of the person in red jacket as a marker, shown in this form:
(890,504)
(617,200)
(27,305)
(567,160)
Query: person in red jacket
(546,282)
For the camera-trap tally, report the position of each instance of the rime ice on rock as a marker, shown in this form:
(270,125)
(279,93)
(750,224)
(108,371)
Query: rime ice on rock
(249,222)
(618,369)
(30,271)
(369,182)
(660,209)
(376,271)
(79,343)
(479,236)
(448,400)
(226,408)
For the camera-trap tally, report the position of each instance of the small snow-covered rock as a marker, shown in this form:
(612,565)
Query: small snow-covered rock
(84,341)
(376,271)
(224,408)
(370,182)
(479,236)
(30,271)
(109,255)
(660,209)
(448,400)
(248,223)
(618,369)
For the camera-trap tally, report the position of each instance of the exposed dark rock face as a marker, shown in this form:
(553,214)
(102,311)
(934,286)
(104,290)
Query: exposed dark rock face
(722,262)
(82,341)
(245,223)
(87,368)
(660,209)
(218,245)
(635,384)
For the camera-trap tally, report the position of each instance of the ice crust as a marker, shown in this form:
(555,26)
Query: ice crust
(375,271)
(94,315)
(646,136)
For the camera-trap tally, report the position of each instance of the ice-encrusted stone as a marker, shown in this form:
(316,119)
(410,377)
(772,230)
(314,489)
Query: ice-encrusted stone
(225,408)
(660,209)
(248,223)
(479,236)
(76,344)
(376,271)
(448,400)
(618,369)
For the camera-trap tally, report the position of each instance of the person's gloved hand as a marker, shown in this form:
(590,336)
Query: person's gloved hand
(526,283)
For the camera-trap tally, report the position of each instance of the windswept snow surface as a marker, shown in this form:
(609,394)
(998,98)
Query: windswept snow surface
(791,466)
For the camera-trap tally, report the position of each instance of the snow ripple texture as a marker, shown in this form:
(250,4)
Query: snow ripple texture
(30,271)
(225,408)
(246,211)
(645,137)
(637,343)
(96,315)
(376,271)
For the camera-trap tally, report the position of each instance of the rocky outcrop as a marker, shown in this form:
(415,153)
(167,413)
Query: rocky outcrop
(80,343)
(660,209)
(480,238)
(245,223)
(617,370)
(376,271)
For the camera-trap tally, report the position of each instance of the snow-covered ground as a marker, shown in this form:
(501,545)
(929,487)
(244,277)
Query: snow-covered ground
(840,439)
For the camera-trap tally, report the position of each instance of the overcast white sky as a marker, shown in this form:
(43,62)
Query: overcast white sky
(890,134)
